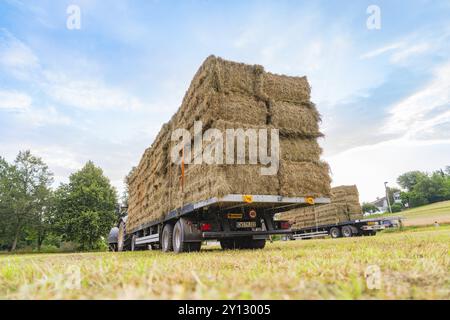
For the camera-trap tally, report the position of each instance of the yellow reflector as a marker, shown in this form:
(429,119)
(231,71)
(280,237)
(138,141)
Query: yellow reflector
(234,216)
(247,198)
(310,200)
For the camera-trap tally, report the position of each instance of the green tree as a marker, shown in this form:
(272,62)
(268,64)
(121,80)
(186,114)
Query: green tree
(423,188)
(409,179)
(396,207)
(416,199)
(6,203)
(369,208)
(432,187)
(85,207)
(41,220)
(25,185)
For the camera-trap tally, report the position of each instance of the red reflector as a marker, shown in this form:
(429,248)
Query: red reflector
(205,227)
(285,225)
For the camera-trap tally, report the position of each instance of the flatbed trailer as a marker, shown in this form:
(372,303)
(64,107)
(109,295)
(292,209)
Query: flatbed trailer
(238,221)
(351,228)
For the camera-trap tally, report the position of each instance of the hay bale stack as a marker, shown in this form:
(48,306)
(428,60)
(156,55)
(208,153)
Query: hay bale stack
(344,206)
(230,95)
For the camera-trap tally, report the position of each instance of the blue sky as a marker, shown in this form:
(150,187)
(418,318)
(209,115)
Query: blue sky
(101,93)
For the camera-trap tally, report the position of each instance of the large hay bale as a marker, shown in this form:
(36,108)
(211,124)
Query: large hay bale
(344,206)
(230,95)
(285,88)
(296,116)
(304,178)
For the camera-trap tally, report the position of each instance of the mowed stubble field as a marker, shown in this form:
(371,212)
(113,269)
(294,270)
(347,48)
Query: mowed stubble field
(414,264)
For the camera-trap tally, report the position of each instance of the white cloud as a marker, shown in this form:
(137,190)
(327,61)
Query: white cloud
(424,109)
(14,100)
(38,117)
(21,105)
(382,50)
(402,56)
(16,57)
(370,166)
(87,94)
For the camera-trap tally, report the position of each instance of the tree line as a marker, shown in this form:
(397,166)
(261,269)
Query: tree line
(417,189)
(77,214)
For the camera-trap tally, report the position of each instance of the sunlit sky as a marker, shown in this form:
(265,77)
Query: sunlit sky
(103,91)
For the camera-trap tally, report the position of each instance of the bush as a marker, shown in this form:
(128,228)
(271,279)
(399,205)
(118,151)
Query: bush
(68,247)
(369,208)
(396,207)
(49,248)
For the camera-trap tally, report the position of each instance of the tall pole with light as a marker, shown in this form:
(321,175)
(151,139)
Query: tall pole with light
(387,197)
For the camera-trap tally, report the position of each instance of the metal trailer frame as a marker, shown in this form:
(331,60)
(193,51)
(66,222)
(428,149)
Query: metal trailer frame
(150,233)
(359,227)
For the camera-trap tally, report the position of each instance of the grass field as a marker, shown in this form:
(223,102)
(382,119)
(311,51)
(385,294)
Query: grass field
(425,215)
(413,264)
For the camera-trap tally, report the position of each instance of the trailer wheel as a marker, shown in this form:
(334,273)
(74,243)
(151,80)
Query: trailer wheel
(335,233)
(166,238)
(133,243)
(181,233)
(347,231)
(121,237)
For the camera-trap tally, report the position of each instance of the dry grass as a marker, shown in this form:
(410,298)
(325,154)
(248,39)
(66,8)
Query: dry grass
(414,265)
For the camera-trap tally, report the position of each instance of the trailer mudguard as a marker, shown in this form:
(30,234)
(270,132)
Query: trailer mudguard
(113,235)
(190,231)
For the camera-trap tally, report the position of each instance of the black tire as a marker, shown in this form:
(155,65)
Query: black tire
(179,245)
(335,232)
(179,236)
(257,244)
(121,237)
(347,231)
(167,238)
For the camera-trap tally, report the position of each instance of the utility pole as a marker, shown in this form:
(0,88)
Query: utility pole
(387,197)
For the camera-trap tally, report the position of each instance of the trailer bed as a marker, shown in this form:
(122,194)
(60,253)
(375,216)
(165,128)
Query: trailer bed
(269,203)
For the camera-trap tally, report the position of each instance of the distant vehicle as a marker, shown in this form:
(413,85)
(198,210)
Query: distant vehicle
(391,223)
(351,228)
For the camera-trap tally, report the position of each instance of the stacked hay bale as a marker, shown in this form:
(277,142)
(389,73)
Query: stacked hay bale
(229,95)
(344,206)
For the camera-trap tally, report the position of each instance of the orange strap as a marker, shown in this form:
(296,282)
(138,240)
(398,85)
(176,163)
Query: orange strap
(182,170)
